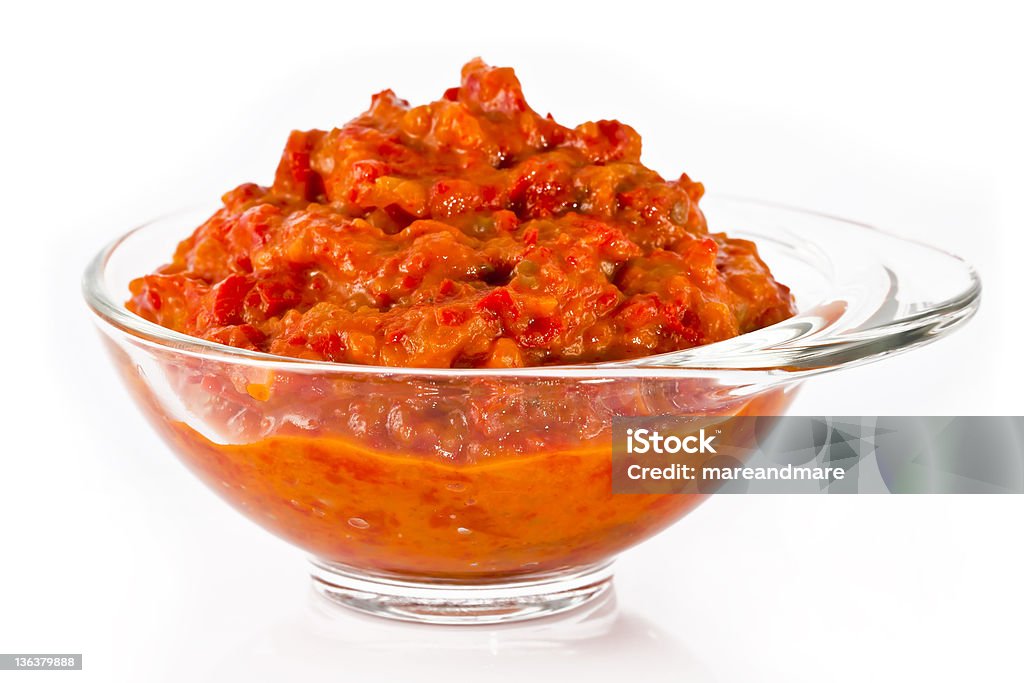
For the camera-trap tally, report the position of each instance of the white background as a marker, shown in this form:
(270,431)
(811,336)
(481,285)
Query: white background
(900,115)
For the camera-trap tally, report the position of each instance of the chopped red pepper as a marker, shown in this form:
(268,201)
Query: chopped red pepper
(470,231)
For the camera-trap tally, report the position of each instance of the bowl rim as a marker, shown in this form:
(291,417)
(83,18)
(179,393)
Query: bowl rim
(781,352)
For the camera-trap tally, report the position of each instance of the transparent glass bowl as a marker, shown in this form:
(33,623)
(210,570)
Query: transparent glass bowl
(480,496)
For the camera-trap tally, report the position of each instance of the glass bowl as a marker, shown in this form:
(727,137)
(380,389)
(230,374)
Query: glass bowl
(480,495)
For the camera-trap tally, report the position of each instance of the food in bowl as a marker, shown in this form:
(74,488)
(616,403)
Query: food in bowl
(405,355)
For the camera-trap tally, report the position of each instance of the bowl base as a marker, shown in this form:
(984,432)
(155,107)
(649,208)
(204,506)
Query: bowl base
(461,603)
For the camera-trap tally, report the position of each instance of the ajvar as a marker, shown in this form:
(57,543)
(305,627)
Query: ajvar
(468,232)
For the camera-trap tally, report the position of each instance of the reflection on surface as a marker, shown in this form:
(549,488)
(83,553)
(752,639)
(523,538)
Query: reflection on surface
(328,642)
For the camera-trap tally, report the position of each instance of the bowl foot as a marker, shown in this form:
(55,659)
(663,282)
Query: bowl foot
(435,601)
